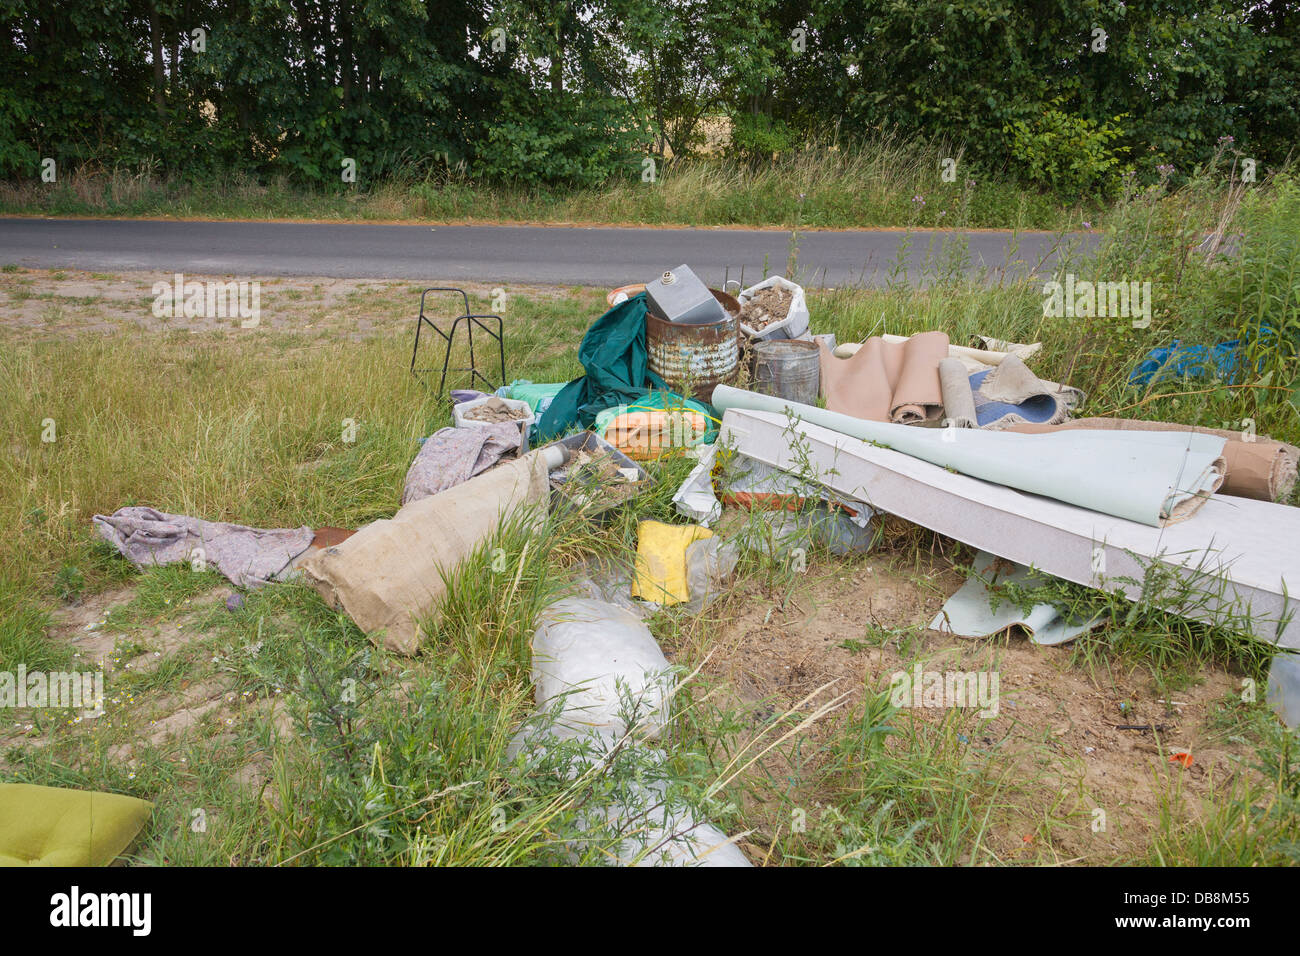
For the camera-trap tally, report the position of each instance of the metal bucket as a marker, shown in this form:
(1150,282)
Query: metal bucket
(693,359)
(787,368)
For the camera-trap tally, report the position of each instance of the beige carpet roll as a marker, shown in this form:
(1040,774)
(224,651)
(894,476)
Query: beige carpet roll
(887,381)
(958,399)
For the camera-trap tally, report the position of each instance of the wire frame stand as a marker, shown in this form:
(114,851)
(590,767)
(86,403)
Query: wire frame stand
(472,321)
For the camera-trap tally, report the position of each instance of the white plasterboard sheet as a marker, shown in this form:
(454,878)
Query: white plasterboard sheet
(1244,554)
(1141,476)
(970,611)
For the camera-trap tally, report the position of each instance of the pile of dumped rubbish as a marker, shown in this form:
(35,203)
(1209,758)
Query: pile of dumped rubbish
(962,438)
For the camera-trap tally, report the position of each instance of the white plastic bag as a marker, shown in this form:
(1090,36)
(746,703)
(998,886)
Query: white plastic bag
(597,658)
(708,565)
(1283,688)
(657,835)
(796,320)
(595,661)
(695,498)
(460,414)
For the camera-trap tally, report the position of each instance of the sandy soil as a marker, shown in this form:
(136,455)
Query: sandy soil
(195,711)
(1055,721)
(40,303)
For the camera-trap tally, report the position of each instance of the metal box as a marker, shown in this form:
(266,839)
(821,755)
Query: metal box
(570,493)
(679,296)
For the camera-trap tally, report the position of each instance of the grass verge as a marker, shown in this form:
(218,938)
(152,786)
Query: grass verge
(886,183)
(236,724)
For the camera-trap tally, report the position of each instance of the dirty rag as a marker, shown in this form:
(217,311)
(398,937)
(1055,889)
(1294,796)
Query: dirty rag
(248,557)
(452,455)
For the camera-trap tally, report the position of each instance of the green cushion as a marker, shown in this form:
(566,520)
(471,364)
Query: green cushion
(49,826)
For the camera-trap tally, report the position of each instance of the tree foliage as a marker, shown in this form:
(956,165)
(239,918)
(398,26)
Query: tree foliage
(1063,93)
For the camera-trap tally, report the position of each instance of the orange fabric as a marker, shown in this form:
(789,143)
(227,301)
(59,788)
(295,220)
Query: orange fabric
(645,435)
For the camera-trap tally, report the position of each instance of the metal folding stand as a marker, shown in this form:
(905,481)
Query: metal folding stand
(471,320)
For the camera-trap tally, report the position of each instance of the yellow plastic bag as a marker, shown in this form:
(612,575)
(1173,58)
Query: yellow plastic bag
(661,560)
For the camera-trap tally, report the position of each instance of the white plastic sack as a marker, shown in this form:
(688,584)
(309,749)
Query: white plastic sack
(1283,689)
(656,835)
(708,565)
(796,320)
(592,658)
(595,657)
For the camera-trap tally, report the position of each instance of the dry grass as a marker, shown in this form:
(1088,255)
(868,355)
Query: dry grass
(887,182)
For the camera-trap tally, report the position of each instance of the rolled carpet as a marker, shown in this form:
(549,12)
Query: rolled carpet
(958,397)
(1151,477)
(1011,394)
(1257,468)
(886,381)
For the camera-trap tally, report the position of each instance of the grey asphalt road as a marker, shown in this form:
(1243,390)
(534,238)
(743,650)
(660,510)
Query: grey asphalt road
(565,255)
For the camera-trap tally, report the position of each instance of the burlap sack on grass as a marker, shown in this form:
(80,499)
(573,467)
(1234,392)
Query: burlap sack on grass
(389,575)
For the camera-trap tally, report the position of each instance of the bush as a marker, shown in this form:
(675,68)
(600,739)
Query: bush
(1069,154)
(756,137)
(537,141)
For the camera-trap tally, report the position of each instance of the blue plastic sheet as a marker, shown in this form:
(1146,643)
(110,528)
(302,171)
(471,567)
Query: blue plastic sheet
(1225,361)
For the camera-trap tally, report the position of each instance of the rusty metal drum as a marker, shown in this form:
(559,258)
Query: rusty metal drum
(693,359)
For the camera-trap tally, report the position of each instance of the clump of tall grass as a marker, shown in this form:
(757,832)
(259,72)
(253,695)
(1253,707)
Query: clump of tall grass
(219,428)
(884,181)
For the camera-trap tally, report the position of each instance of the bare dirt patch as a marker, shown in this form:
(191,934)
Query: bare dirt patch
(187,709)
(858,626)
(37,303)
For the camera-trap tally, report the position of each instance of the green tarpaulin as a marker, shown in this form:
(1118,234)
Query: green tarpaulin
(613,355)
